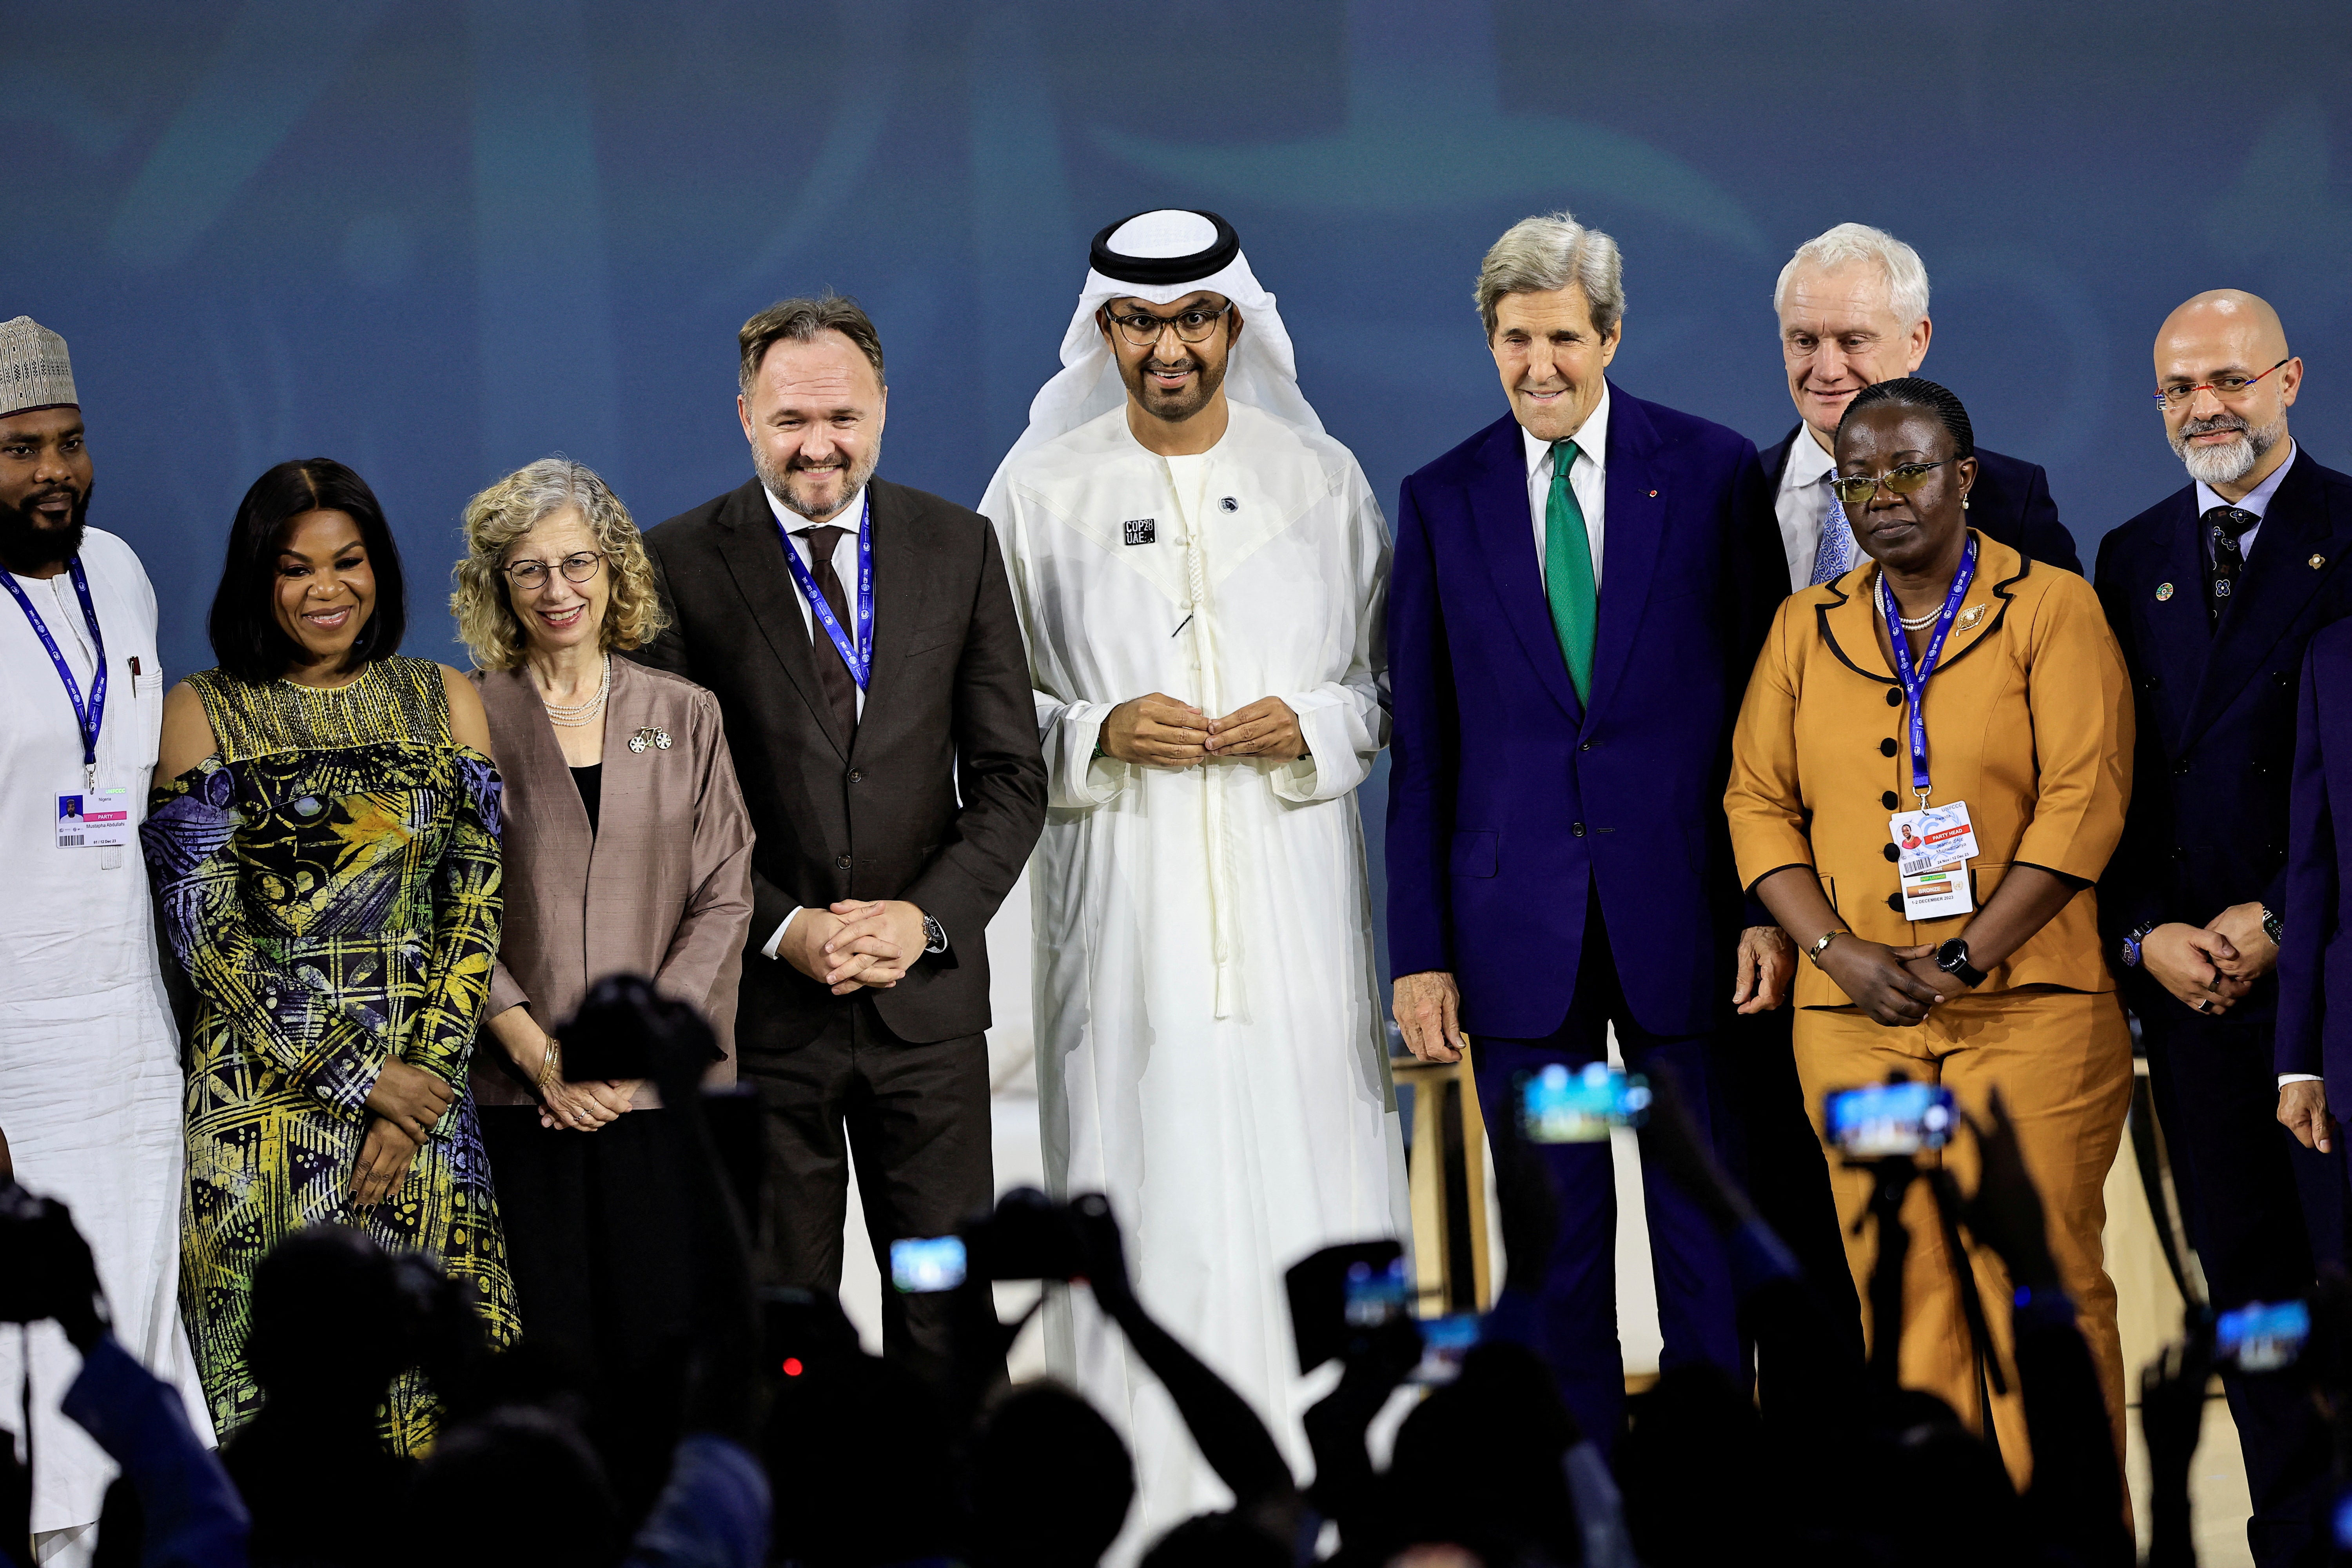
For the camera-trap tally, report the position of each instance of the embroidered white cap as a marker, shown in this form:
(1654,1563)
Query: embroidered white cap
(34,370)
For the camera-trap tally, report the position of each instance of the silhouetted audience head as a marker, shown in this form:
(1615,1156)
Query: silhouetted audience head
(1218,1541)
(1695,1421)
(331,1324)
(515,1485)
(1049,1483)
(1497,1436)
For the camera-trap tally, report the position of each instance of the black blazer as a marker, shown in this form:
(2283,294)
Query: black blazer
(949,707)
(2208,824)
(2011,502)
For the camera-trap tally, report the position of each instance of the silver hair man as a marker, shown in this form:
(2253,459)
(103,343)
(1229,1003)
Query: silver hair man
(1539,255)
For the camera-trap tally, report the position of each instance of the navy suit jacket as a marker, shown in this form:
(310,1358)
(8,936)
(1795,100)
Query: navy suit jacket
(1510,803)
(2208,824)
(2314,967)
(2010,502)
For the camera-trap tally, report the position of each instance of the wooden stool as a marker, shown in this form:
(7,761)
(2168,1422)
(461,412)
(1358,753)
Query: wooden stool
(1446,1162)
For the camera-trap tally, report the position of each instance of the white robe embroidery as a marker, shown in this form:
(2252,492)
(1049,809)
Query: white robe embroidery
(90,1089)
(1210,1039)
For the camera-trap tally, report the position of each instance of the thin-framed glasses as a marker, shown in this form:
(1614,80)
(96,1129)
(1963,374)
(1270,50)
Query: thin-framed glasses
(1856,489)
(1141,329)
(2221,387)
(529,575)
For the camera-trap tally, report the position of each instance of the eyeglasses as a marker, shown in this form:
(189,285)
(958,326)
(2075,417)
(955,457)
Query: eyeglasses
(2220,386)
(1856,489)
(530,574)
(1142,329)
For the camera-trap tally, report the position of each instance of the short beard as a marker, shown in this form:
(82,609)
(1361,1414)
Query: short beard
(28,545)
(2227,465)
(779,481)
(1157,404)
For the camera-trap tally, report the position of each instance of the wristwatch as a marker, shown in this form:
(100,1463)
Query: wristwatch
(935,935)
(2272,925)
(2132,938)
(1952,958)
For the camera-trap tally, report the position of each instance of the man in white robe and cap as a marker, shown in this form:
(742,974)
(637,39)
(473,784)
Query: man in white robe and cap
(1199,572)
(89,1058)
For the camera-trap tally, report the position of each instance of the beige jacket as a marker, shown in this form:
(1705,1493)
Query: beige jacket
(2028,722)
(663,888)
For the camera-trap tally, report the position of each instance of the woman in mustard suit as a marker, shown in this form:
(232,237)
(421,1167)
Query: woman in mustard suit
(1988,977)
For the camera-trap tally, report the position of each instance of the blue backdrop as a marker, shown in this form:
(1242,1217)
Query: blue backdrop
(438,239)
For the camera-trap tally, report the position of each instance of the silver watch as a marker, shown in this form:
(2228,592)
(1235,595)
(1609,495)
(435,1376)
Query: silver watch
(935,936)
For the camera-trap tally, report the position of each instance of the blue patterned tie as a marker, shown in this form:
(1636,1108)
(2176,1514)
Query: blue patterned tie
(1834,558)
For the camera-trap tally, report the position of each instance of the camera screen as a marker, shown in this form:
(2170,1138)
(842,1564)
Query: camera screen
(1883,1120)
(921,1265)
(1444,1343)
(2261,1336)
(1375,1295)
(1566,1105)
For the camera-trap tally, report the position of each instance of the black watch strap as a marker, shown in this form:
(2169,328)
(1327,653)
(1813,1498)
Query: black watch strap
(1952,958)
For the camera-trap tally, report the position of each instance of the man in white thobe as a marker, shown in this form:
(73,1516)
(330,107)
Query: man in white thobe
(89,1058)
(1200,572)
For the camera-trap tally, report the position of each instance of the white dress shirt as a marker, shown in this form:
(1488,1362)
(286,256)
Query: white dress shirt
(2256,500)
(845,566)
(1802,505)
(1587,479)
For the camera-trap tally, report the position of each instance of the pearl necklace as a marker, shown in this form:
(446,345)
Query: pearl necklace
(582,715)
(1919,622)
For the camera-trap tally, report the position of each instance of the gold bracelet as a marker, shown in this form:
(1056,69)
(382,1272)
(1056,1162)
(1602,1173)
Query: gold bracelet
(1827,937)
(550,1066)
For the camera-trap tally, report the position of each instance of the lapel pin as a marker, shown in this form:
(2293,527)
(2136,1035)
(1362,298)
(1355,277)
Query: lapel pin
(2317,562)
(1968,618)
(1654,495)
(658,740)
(2163,592)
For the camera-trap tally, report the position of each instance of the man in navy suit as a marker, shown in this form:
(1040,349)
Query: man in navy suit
(1578,596)
(2213,592)
(1852,304)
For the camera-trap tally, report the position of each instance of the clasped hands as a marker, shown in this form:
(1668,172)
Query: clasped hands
(855,944)
(1167,732)
(404,1106)
(2210,967)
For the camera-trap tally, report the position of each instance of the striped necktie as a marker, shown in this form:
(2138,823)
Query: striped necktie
(1834,556)
(1568,572)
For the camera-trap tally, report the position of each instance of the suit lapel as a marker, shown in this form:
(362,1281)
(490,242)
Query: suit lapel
(2277,582)
(530,755)
(1632,527)
(754,546)
(614,861)
(900,584)
(1504,532)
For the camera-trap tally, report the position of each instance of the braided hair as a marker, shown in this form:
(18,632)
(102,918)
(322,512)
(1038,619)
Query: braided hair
(1918,392)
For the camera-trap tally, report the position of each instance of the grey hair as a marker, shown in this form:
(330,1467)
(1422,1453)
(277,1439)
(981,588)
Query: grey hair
(1536,254)
(502,514)
(1906,274)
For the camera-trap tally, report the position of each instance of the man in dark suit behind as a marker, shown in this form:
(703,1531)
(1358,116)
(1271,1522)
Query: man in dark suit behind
(888,748)
(2213,592)
(1578,597)
(1852,304)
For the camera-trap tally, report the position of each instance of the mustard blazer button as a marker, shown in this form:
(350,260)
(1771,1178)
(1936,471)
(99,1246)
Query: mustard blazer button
(1886,747)
(1895,697)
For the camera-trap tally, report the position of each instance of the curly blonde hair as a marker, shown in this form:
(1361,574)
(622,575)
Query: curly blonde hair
(503,513)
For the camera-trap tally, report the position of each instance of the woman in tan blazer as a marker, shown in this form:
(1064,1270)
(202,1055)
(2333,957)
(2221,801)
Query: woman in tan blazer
(627,850)
(1995,980)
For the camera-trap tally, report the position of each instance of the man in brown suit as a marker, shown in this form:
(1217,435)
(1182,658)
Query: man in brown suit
(863,646)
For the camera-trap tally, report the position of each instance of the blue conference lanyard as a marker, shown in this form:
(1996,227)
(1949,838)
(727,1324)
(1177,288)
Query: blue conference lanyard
(853,654)
(1914,680)
(86,720)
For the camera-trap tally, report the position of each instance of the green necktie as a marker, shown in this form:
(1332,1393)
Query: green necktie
(1568,572)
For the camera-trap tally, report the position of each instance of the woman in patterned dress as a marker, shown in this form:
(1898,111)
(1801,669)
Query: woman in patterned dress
(324,843)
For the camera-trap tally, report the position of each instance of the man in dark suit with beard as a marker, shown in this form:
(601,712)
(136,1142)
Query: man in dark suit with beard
(2213,592)
(862,641)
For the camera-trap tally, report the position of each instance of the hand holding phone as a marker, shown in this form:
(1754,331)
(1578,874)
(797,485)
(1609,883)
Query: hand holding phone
(1890,1120)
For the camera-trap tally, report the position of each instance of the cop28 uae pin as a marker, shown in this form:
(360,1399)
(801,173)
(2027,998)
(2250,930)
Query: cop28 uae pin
(2163,592)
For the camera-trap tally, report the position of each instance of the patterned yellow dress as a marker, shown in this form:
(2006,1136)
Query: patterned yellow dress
(330,878)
